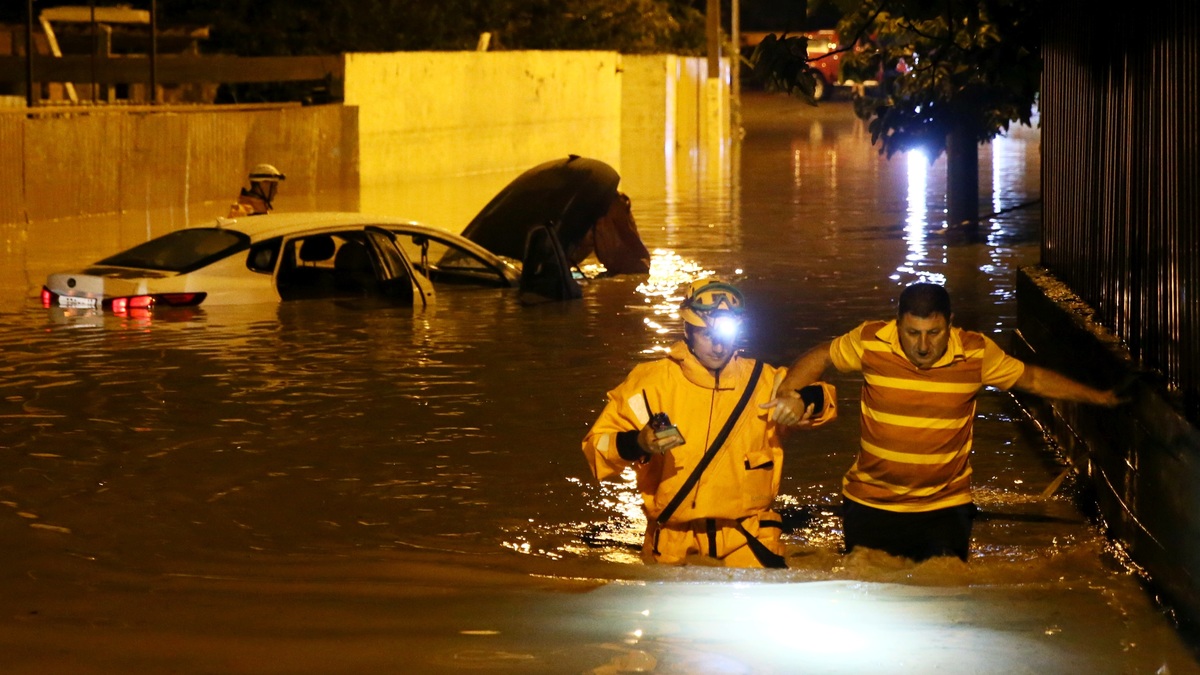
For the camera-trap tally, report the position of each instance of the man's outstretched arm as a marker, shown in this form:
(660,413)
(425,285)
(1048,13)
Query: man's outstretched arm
(1047,383)
(806,369)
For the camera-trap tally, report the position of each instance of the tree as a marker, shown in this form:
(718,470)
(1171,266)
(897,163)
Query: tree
(286,27)
(952,74)
(316,27)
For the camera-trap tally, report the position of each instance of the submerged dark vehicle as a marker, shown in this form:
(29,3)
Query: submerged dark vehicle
(561,210)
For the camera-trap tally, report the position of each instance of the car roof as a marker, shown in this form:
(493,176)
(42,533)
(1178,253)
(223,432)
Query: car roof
(263,227)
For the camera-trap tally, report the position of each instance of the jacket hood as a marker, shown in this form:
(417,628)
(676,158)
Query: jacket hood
(697,374)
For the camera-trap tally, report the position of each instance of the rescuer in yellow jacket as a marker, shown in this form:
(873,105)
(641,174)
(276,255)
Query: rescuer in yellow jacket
(669,414)
(256,201)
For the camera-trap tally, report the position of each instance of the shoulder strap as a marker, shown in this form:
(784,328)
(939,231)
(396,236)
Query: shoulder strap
(714,447)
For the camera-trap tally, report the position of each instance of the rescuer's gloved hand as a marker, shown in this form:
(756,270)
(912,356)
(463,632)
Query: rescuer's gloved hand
(652,442)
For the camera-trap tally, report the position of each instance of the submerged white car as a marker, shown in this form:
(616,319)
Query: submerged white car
(282,256)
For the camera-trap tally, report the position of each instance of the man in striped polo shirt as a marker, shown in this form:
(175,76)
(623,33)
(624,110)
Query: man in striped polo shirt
(908,492)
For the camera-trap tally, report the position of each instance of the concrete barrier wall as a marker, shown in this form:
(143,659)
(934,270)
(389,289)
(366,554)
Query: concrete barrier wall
(1141,463)
(674,112)
(441,132)
(110,160)
(12,168)
(650,91)
(448,114)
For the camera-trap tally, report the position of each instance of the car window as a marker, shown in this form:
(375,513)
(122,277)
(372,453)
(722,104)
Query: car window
(263,255)
(444,262)
(390,260)
(398,281)
(181,251)
(325,265)
(347,264)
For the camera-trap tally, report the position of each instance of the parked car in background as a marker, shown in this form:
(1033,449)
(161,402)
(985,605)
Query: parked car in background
(825,53)
(281,257)
(824,57)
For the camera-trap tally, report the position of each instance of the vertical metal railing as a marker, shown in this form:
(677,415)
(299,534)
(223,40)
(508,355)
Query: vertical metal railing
(1121,177)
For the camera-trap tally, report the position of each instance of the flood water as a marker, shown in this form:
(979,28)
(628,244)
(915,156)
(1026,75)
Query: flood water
(324,487)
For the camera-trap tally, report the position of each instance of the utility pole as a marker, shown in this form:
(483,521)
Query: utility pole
(154,51)
(713,16)
(735,39)
(29,53)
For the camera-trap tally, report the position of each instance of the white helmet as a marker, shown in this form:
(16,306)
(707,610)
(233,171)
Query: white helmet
(266,173)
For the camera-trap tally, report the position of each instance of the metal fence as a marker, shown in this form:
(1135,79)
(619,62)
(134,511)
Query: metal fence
(1121,176)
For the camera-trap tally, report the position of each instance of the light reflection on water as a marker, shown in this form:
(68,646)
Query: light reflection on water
(313,441)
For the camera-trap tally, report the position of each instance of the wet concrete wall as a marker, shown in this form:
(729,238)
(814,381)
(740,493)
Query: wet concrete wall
(78,162)
(450,114)
(447,114)
(441,132)
(670,103)
(1141,461)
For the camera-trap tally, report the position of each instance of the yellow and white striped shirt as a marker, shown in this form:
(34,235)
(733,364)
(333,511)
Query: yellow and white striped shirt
(917,423)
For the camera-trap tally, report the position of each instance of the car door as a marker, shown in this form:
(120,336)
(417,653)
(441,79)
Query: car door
(348,263)
(447,262)
(397,275)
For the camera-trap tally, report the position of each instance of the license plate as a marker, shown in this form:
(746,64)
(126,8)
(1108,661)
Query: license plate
(75,301)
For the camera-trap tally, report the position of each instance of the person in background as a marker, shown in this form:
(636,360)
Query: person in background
(264,183)
(908,493)
(695,428)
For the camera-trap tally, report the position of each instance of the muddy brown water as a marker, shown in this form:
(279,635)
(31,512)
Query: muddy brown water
(325,487)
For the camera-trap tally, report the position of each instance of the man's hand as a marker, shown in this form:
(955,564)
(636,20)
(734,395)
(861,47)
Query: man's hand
(651,444)
(1109,399)
(790,411)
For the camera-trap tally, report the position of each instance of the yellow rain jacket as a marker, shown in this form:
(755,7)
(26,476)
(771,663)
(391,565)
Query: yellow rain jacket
(248,204)
(733,496)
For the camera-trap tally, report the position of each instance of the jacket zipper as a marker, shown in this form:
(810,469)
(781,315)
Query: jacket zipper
(712,404)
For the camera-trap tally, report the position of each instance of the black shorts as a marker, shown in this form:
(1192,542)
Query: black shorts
(919,536)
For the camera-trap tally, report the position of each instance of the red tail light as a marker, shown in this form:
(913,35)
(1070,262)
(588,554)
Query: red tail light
(146,302)
(123,305)
(181,299)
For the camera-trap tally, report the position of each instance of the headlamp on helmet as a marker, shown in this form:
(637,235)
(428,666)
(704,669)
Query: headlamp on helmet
(713,304)
(724,326)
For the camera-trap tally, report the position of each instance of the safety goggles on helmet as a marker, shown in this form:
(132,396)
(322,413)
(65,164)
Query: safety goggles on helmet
(710,300)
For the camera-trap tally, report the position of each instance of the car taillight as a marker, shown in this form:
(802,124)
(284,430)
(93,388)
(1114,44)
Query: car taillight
(123,305)
(48,297)
(146,302)
(181,299)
